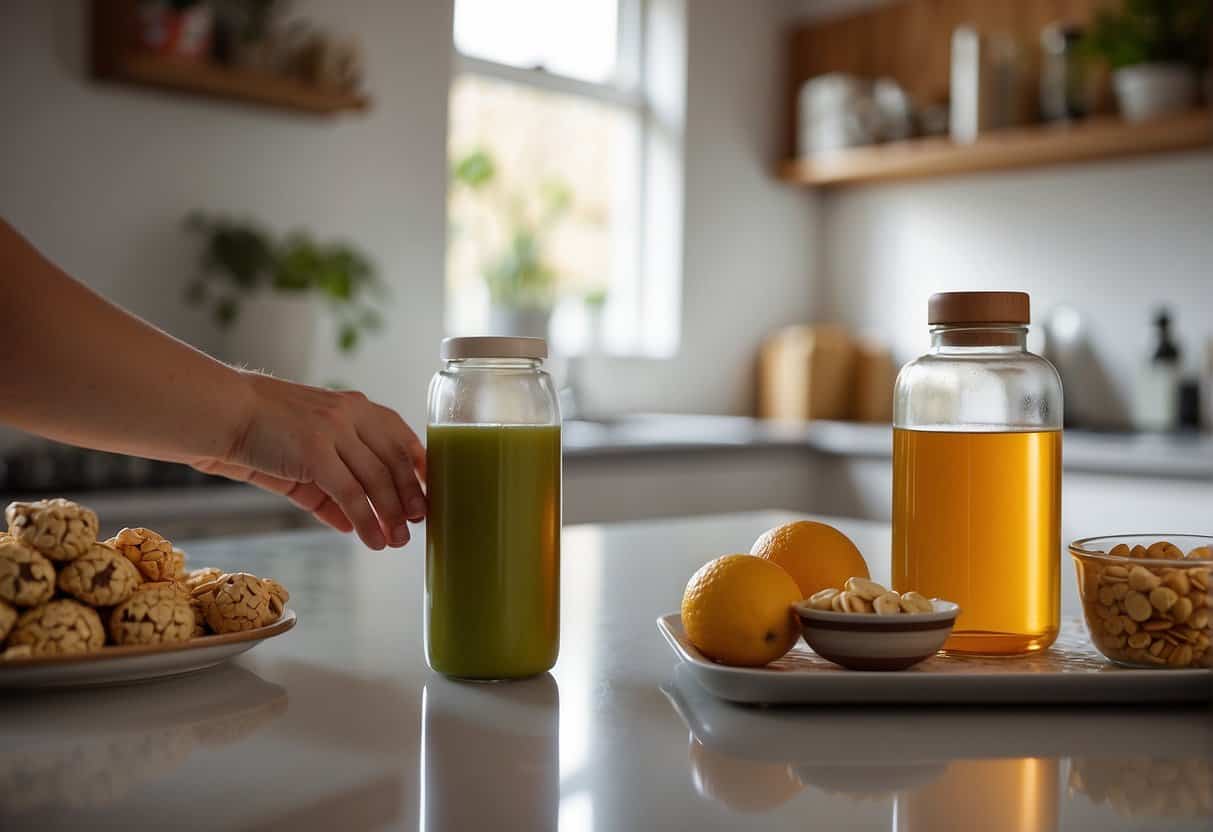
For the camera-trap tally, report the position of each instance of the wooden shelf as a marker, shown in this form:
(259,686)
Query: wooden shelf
(1027,147)
(116,56)
(242,85)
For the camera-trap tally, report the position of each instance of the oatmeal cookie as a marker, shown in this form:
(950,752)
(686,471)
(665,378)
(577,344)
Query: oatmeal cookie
(156,614)
(59,529)
(196,577)
(58,628)
(100,577)
(234,602)
(26,577)
(8,617)
(278,598)
(21,651)
(153,556)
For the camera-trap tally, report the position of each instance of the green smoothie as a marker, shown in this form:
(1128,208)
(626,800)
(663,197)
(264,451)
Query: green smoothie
(492,556)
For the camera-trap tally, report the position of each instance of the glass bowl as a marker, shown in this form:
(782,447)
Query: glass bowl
(1147,603)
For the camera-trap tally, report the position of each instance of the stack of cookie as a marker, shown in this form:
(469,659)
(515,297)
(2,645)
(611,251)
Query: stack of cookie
(62,591)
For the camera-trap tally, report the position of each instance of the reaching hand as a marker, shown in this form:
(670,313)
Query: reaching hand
(350,462)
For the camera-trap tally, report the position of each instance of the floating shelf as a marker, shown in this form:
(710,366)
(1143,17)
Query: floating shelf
(1009,149)
(200,78)
(116,56)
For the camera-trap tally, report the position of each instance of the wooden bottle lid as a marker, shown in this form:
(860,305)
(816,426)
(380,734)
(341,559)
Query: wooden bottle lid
(958,308)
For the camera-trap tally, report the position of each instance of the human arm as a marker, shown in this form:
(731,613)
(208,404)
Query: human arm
(76,368)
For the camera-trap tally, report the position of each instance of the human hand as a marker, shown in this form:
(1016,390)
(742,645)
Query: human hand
(350,462)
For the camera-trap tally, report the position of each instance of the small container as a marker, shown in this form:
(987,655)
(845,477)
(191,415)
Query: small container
(977,475)
(867,641)
(492,560)
(1147,604)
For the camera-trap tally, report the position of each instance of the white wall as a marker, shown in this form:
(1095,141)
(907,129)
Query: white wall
(100,176)
(749,243)
(1114,240)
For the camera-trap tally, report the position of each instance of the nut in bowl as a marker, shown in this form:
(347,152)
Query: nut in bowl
(1148,598)
(863,626)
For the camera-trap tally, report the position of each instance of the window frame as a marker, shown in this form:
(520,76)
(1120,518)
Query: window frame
(630,89)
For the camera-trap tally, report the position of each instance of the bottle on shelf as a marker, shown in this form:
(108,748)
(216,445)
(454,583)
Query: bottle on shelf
(1156,394)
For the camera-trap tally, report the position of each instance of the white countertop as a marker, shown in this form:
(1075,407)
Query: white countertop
(339,725)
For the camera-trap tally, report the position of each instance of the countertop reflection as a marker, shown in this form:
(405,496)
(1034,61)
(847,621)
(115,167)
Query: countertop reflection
(340,725)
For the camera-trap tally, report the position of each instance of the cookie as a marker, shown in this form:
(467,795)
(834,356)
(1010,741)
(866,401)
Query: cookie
(8,617)
(234,602)
(278,598)
(21,651)
(200,627)
(197,577)
(100,577)
(58,628)
(153,556)
(59,529)
(26,577)
(155,614)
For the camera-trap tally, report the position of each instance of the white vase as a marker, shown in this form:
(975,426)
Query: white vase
(1148,91)
(525,322)
(273,332)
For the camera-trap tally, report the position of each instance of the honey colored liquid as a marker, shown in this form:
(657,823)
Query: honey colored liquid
(994,795)
(492,550)
(977,520)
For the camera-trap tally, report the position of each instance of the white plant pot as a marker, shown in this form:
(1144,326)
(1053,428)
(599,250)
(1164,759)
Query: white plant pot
(273,332)
(1147,91)
(524,322)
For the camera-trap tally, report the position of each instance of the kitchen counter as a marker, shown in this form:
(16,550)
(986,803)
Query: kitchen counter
(339,725)
(1183,456)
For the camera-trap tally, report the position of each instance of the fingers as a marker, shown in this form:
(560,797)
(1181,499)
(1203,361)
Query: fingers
(398,432)
(339,483)
(392,452)
(306,496)
(380,487)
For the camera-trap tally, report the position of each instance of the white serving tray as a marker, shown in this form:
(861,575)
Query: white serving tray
(1071,671)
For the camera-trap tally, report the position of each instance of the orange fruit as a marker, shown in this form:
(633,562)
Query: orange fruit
(816,555)
(737,610)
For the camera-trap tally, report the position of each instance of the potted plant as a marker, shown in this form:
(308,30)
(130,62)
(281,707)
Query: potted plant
(512,228)
(263,292)
(1156,48)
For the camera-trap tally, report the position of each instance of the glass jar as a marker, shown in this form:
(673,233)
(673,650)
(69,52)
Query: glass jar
(977,475)
(492,555)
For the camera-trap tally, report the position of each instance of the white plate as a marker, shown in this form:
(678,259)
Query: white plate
(1070,671)
(117,665)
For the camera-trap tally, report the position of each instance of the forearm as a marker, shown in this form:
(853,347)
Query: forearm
(76,368)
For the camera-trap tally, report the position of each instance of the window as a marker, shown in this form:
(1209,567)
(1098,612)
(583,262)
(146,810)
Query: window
(549,141)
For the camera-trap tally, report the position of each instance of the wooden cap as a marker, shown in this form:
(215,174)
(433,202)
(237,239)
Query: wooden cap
(493,346)
(956,308)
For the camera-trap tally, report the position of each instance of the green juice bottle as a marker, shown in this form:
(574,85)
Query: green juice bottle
(492,561)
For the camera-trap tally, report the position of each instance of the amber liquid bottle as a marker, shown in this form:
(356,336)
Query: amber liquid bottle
(977,475)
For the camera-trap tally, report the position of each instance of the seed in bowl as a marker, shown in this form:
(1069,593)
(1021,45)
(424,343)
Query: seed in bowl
(861,595)
(1150,615)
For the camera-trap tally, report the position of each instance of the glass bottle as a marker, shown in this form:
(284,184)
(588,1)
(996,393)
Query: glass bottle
(492,559)
(977,475)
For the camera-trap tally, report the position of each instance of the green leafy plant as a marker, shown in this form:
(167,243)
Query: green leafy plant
(1151,31)
(514,260)
(239,259)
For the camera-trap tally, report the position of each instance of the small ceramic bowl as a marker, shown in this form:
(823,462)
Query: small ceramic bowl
(867,641)
(1148,605)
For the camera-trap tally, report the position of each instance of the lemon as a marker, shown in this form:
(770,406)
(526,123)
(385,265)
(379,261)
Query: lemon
(737,610)
(816,555)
